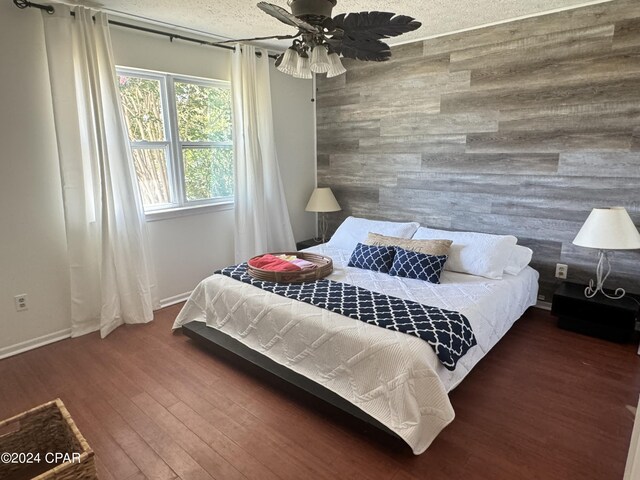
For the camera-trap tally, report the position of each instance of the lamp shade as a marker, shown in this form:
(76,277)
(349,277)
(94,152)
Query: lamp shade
(322,200)
(608,228)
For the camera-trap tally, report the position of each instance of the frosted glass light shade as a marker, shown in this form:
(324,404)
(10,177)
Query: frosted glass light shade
(319,59)
(608,228)
(302,68)
(289,62)
(335,66)
(323,200)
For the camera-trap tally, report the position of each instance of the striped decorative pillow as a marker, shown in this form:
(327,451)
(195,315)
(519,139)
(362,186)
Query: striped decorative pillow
(429,247)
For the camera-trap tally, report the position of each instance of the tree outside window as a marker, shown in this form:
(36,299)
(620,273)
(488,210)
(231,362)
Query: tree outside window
(180,130)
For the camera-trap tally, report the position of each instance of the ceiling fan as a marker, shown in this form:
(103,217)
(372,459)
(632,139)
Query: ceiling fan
(321,39)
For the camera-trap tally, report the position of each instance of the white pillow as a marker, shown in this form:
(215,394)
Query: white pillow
(474,253)
(355,230)
(520,257)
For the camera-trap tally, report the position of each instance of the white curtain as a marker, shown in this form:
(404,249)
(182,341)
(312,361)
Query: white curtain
(262,219)
(112,281)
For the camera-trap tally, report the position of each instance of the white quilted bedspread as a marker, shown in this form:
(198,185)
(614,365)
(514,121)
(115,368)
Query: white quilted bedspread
(395,378)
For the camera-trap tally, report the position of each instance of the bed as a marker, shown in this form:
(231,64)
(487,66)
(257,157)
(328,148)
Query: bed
(390,377)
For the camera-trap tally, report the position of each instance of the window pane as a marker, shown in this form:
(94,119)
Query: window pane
(204,113)
(208,172)
(151,170)
(142,106)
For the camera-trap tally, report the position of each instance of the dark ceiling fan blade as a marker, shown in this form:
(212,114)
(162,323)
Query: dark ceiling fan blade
(286,17)
(374,25)
(276,37)
(367,50)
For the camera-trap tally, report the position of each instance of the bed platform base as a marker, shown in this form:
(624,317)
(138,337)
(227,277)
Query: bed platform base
(224,345)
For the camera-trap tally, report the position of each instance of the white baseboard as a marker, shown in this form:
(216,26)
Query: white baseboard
(167,302)
(66,333)
(543,305)
(34,343)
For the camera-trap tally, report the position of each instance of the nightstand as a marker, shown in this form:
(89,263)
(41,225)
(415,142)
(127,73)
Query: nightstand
(312,242)
(600,316)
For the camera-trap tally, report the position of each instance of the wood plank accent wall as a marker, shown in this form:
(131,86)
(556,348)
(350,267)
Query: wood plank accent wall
(519,128)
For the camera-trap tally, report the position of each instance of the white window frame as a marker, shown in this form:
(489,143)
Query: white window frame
(173,146)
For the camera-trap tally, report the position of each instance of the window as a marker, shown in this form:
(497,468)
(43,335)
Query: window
(180,131)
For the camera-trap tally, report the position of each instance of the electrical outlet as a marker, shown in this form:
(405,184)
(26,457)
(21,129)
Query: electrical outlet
(562,270)
(21,302)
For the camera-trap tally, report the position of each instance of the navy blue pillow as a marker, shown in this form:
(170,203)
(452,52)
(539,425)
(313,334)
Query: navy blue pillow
(410,264)
(369,257)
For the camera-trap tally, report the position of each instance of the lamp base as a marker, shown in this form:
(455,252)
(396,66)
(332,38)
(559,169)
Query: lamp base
(601,277)
(324,225)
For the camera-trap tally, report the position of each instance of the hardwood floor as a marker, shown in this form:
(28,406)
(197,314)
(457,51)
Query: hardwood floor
(543,404)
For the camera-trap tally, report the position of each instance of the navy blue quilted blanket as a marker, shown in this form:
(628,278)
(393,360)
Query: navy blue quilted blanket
(448,332)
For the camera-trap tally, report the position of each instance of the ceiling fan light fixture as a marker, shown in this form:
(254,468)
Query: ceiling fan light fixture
(335,66)
(355,35)
(289,62)
(319,59)
(303,69)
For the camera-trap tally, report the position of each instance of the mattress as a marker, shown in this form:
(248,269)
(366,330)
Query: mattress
(395,378)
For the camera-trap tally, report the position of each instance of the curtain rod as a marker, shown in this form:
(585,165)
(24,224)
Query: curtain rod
(50,9)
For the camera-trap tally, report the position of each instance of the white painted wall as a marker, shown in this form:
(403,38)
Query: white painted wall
(293,116)
(188,248)
(32,237)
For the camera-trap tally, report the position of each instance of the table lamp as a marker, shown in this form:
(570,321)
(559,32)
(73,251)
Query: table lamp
(609,228)
(323,201)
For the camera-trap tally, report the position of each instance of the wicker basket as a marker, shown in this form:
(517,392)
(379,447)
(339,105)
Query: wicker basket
(40,433)
(325,267)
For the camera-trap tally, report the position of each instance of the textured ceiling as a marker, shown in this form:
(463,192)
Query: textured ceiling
(241,18)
